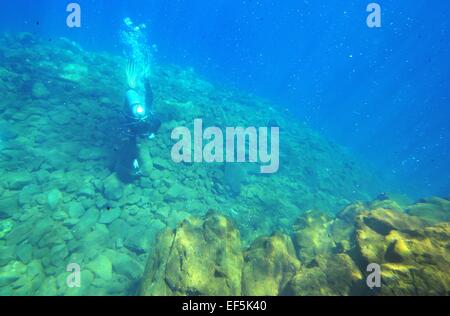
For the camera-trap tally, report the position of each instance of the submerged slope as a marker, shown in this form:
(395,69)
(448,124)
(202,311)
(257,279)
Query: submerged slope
(61,202)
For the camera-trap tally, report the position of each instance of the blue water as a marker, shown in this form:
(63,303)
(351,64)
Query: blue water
(383,93)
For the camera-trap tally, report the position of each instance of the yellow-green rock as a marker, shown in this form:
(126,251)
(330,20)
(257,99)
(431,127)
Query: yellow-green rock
(200,257)
(414,261)
(433,210)
(270,263)
(312,235)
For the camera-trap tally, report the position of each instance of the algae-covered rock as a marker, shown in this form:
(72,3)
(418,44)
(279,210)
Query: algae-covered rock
(385,203)
(125,265)
(384,220)
(24,252)
(40,91)
(74,72)
(178,192)
(87,154)
(16,180)
(270,263)
(199,257)
(75,209)
(113,188)
(101,266)
(11,272)
(108,216)
(6,226)
(414,259)
(432,210)
(332,275)
(417,264)
(54,197)
(8,206)
(312,235)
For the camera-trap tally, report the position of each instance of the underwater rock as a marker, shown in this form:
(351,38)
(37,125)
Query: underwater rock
(140,237)
(101,267)
(40,91)
(113,188)
(11,273)
(60,118)
(75,209)
(27,194)
(199,257)
(312,235)
(414,259)
(74,72)
(87,191)
(19,233)
(177,192)
(119,229)
(417,265)
(8,254)
(432,210)
(87,221)
(25,252)
(332,275)
(270,263)
(385,203)
(54,198)
(5,227)
(108,216)
(16,180)
(87,154)
(40,228)
(234,177)
(59,216)
(383,221)
(308,282)
(58,253)
(176,217)
(8,206)
(125,264)
(171,109)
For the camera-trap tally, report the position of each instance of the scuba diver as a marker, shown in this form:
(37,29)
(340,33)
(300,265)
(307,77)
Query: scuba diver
(139,126)
(139,122)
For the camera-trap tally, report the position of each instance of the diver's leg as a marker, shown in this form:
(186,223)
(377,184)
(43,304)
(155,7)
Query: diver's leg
(126,156)
(144,157)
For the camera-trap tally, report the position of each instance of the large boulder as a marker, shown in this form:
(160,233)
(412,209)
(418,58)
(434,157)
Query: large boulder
(312,235)
(331,275)
(16,180)
(113,188)
(432,210)
(8,206)
(414,259)
(199,257)
(270,263)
